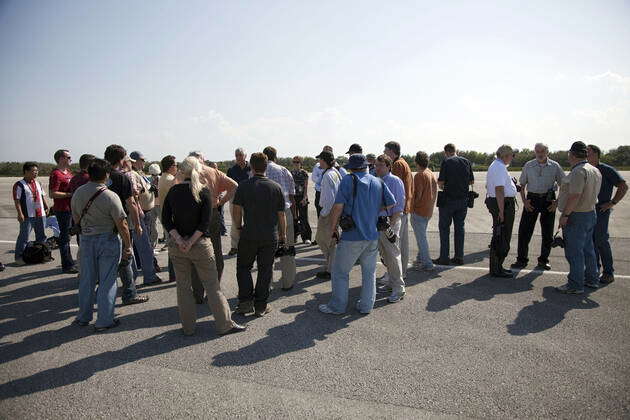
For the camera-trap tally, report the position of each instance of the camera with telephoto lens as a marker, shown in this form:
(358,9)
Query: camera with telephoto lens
(382,223)
(558,241)
(551,195)
(346,223)
(75,230)
(284,250)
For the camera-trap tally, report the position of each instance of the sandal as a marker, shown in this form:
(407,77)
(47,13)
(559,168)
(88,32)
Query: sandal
(114,324)
(137,299)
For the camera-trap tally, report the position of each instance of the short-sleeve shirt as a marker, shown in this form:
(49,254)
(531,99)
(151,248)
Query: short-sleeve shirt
(120,184)
(164,184)
(30,195)
(397,188)
(145,197)
(498,176)
(541,177)
(79,179)
(364,206)
(316,177)
(105,211)
(217,182)
(59,181)
(299,178)
(283,177)
(401,169)
(456,173)
(610,179)
(584,179)
(424,193)
(261,200)
(239,174)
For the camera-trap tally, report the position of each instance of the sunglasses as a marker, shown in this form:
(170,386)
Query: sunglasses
(296,161)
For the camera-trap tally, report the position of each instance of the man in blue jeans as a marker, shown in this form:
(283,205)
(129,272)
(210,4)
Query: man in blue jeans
(101,216)
(576,201)
(605,203)
(31,207)
(59,186)
(359,199)
(455,177)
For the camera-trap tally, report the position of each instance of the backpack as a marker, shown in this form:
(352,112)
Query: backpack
(36,253)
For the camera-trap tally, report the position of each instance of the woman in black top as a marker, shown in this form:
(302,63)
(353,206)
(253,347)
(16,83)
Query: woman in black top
(186,216)
(300,177)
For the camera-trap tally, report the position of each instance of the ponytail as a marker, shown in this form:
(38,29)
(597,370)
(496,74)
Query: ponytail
(190,168)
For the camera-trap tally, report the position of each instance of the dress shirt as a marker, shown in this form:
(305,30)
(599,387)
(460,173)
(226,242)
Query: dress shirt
(316,177)
(330,184)
(541,177)
(397,188)
(282,176)
(498,176)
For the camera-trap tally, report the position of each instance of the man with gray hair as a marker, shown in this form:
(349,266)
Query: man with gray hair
(539,181)
(501,202)
(239,173)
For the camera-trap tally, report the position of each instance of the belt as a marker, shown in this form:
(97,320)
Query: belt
(537,194)
(504,198)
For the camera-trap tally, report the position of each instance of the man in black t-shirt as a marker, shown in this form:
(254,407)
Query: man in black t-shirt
(455,178)
(259,215)
(300,177)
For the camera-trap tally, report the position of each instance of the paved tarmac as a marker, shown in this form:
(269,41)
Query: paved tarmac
(460,344)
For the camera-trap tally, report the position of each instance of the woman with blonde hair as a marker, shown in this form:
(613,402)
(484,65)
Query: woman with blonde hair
(186,216)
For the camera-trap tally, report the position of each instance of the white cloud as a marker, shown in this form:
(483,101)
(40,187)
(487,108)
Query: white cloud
(614,80)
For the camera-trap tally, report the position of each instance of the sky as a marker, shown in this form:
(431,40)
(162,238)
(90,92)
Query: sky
(168,77)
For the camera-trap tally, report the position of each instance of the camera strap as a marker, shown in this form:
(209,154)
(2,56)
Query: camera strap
(89,204)
(355,182)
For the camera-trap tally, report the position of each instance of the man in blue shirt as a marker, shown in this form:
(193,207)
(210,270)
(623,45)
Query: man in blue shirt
(240,172)
(605,202)
(389,239)
(360,198)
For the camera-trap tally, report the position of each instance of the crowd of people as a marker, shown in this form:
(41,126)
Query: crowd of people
(364,210)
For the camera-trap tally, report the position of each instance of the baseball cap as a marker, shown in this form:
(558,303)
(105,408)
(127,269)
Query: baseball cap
(326,156)
(135,155)
(579,147)
(355,148)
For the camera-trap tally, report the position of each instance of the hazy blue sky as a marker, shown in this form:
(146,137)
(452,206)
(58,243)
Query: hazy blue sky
(172,76)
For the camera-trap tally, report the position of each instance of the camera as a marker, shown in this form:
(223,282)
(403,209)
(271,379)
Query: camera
(558,241)
(472,195)
(346,223)
(284,250)
(382,223)
(75,230)
(551,195)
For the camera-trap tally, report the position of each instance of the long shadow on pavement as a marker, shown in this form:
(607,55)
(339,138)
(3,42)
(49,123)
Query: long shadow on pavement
(481,289)
(541,316)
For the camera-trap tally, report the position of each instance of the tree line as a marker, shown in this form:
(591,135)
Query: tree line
(618,157)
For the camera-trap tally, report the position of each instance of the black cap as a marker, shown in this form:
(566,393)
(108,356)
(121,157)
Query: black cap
(357,161)
(578,147)
(326,156)
(355,148)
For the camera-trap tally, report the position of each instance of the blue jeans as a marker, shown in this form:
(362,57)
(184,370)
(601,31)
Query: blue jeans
(579,249)
(454,211)
(145,252)
(36,223)
(602,246)
(419,225)
(100,255)
(64,218)
(128,274)
(346,255)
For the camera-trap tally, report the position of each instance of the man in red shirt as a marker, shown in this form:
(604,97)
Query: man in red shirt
(59,186)
(31,209)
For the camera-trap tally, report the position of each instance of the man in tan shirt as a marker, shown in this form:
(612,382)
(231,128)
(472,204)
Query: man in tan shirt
(577,199)
(401,169)
(423,202)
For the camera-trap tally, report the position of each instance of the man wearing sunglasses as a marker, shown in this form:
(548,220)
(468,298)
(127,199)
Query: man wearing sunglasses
(59,188)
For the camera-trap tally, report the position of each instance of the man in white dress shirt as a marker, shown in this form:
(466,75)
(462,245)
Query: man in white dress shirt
(501,193)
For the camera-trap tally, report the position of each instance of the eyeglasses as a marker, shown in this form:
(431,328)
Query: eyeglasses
(296,161)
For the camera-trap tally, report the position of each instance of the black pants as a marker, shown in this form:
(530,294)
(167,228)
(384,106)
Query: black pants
(498,256)
(302,216)
(318,208)
(215,238)
(526,229)
(263,253)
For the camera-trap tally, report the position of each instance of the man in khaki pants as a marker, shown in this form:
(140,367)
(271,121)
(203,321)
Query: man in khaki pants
(283,177)
(329,186)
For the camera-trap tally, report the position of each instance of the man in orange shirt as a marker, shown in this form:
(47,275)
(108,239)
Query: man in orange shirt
(218,183)
(424,196)
(401,169)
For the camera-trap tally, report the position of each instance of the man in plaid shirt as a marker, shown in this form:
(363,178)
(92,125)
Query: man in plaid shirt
(282,176)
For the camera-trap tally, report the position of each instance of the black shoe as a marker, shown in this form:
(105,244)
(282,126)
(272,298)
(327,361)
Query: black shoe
(2,267)
(457,261)
(233,251)
(136,300)
(323,275)
(199,300)
(114,324)
(153,283)
(70,270)
(260,312)
(439,261)
(157,268)
(543,266)
(235,329)
(501,275)
(286,289)
(314,243)
(510,272)
(519,264)
(80,323)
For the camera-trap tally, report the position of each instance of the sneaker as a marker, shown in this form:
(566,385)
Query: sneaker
(358,308)
(233,251)
(263,311)
(245,307)
(327,310)
(569,291)
(607,278)
(323,275)
(396,297)
(383,281)
(307,242)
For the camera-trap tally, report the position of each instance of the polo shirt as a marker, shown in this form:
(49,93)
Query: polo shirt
(397,188)
(498,176)
(79,179)
(261,200)
(610,179)
(584,179)
(330,185)
(60,181)
(456,173)
(239,174)
(120,184)
(364,206)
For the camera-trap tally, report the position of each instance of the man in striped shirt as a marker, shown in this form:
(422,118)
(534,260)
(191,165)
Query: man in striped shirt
(31,207)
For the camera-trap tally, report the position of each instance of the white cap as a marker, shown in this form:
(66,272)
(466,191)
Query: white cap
(154,169)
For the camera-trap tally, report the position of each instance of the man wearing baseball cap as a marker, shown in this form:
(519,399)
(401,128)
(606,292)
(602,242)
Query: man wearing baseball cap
(355,149)
(328,190)
(576,201)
